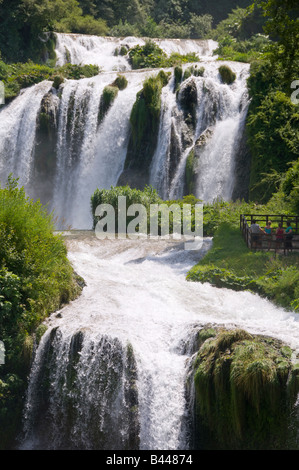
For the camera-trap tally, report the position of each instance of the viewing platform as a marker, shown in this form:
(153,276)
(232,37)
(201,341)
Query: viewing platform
(269,242)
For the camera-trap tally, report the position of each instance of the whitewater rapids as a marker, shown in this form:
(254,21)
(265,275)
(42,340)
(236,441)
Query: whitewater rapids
(136,291)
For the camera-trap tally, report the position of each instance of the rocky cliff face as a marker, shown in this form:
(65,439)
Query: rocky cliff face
(45,147)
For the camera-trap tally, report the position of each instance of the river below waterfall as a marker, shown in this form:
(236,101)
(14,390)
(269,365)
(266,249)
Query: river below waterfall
(136,294)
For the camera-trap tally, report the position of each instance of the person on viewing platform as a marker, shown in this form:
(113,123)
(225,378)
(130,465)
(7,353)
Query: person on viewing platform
(279,236)
(256,232)
(268,232)
(288,238)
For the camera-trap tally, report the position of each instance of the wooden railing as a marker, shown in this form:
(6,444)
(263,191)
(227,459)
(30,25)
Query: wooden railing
(262,219)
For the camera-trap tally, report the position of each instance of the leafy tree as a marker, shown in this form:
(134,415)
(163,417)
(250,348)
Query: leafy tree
(23,21)
(273,139)
(283,25)
(200,26)
(218,10)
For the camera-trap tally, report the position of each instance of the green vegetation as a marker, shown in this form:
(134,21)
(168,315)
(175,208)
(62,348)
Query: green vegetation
(151,56)
(133,196)
(245,389)
(110,92)
(146,197)
(36,278)
(273,137)
(24,21)
(227,75)
(144,121)
(22,75)
(240,36)
(231,264)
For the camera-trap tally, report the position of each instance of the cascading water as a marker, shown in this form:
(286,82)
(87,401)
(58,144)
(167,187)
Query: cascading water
(220,109)
(117,358)
(90,155)
(106,51)
(110,371)
(86,153)
(17,133)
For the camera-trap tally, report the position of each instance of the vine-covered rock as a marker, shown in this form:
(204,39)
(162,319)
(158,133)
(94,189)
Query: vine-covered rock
(145,118)
(227,75)
(246,388)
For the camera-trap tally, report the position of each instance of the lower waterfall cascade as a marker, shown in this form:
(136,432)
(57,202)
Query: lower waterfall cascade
(110,371)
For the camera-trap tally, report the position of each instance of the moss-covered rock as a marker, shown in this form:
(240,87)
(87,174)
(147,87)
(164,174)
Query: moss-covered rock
(193,70)
(188,100)
(120,82)
(110,92)
(58,80)
(189,173)
(178,74)
(227,75)
(245,391)
(144,119)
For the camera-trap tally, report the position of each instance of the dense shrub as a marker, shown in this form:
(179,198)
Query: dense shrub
(120,82)
(273,141)
(161,211)
(133,196)
(227,75)
(18,76)
(82,24)
(35,279)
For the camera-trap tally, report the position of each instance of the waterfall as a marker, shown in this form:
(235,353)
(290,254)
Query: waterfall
(106,51)
(17,133)
(90,155)
(82,394)
(111,370)
(78,152)
(220,109)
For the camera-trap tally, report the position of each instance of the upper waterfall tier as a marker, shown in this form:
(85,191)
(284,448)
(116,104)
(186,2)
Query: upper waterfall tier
(106,51)
(62,148)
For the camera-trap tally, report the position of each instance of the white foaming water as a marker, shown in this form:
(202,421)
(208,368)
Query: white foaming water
(95,50)
(160,163)
(137,293)
(101,151)
(90,155)
(104,51)
(17,133)
(220,108)
(217,161)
